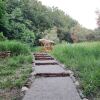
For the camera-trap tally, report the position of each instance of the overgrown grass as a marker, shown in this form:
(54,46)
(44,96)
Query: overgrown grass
(15,70)
(15,47)
(84,59)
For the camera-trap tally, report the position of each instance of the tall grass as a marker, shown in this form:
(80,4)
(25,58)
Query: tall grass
(15,69)
(84,59)
(15,47)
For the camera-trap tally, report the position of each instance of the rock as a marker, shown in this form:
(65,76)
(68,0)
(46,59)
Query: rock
(30,79)
(70,72)
(73,78)
(81,93)
(77,83)
(33,64)
(28,84)
(33,73)
(24,89)
(32,68)
(63,65)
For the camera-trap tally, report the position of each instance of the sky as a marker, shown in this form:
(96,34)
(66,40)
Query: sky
(81,10)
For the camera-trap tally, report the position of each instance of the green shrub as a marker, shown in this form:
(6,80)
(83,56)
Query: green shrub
(28,37)
(15,47)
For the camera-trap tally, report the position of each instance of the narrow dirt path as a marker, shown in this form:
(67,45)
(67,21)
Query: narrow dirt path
(52,82)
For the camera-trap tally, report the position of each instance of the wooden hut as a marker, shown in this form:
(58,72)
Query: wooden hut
(47,45)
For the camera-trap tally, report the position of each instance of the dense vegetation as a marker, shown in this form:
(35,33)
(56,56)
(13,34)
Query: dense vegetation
(14,69)
(29,20)
(15,47)
(84,60)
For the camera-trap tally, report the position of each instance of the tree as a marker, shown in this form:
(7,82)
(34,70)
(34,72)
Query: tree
(2,8)
(2,38)
(28,37)
(2,12)
(98,18)
(30,17)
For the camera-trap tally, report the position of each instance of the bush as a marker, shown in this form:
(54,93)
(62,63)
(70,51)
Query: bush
(28,37)
(15,47)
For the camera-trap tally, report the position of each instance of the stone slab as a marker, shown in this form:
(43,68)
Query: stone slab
(49,69)
(52,88)
(46,61)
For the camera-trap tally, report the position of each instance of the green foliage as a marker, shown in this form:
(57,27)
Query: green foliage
(2,38)
(63,35)
(2,13)
(26,20)
(2,8)
(15,47)
(84,59)
(28,37)
(24,17)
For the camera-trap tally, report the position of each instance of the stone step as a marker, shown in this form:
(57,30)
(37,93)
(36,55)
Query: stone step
(52,74)
(52,88)
(40,54)
(44,58)
(53,63)
(46,62)
(50,71)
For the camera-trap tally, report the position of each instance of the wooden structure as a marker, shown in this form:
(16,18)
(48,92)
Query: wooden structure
(5,54)
(74,37)
(47,45)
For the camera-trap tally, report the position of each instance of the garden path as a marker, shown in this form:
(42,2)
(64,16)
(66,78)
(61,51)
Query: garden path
(52,81)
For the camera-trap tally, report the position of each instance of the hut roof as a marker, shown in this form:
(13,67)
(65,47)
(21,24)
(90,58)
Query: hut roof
(45,40)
